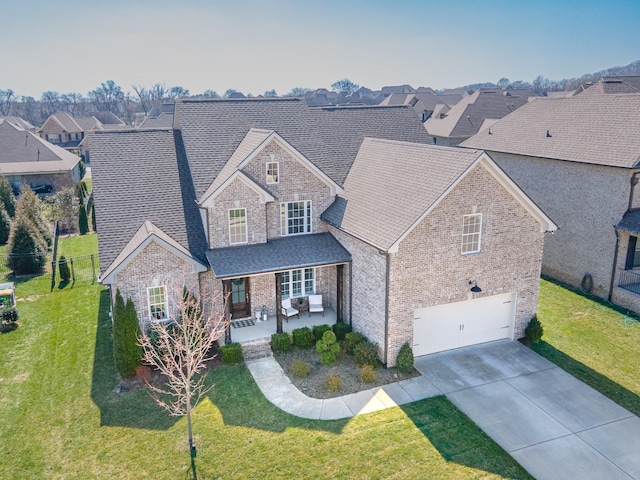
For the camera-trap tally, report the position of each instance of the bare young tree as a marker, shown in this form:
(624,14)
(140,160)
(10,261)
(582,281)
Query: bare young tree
(180,350)
(6,100)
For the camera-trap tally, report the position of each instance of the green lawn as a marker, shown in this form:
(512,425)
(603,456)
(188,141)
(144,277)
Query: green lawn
(77,246)
(595,343)
(61,418)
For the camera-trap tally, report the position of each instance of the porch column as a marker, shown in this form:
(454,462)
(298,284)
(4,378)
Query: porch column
(226,294)
(339,292)
(278,302)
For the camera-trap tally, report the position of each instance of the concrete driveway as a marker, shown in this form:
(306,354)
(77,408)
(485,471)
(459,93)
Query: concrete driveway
(555,426)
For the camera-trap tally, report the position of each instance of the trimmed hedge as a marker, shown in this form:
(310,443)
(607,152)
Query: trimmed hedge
(303,337)
(352,340)
(365,353)
(404,360)
(280,342)
(318,331)
(341,329)
(231,353)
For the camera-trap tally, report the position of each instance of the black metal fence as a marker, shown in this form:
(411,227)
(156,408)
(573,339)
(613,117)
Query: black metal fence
(80,268)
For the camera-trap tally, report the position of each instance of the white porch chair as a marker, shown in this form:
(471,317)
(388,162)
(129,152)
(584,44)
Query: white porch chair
(288,310)
(315,304)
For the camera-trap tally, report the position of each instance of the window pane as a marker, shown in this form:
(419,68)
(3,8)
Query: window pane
(471,233)
(238,225)
(296,283)
(309,281)
(158,305)
(286,292)
(272,172)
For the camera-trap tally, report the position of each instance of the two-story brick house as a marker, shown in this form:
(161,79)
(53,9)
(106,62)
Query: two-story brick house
(260,199)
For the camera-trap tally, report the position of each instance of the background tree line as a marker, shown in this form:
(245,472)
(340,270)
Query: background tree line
(110,96)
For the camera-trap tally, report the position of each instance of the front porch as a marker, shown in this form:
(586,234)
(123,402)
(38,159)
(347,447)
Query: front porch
(262,330)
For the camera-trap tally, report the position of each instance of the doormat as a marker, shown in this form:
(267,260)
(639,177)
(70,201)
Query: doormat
(246,322)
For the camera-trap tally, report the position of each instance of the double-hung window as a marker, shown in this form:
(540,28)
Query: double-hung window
(53,137)
(273,173)
(295,217)
(158,303)
(471,233)
(237,225)
(298,283)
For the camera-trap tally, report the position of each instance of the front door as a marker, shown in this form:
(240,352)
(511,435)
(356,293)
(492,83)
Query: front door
(240,298)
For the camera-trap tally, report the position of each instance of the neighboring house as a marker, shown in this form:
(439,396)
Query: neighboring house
(159,117)
(473,113)
(579,159)
(424,103)
(27,158)
(18,122)
(268,199)
(69,132)
(390,89)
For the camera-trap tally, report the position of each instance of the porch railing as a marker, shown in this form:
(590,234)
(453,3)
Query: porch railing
(629,280)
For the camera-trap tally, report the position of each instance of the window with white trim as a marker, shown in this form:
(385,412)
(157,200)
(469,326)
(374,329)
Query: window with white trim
(237,225)
(158,303)
(295,217)
(471,233)
(298,283)
(273,173)
(53,137)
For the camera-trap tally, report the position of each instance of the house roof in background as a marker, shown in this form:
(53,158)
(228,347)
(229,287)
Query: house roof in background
(24,152)
(141,175)
(591,127)
(466,117)
(18,122)
(329,137)
(297,251)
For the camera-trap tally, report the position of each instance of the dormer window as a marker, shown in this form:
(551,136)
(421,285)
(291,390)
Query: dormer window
(53,137)
(237,226)
(273,173)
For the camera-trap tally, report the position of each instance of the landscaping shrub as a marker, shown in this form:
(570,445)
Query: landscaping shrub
(318,331)
(126,332)
(368,374)
(351,340)
(328,348)
(5,225)
(231,353)
(93,218)
(26,247)
(83,221)
(303,337)
(404,360)
(280,342)
(63,267)
(341,329)
(365,353)
(334,383)
(533,332)
(300,369)
(7,200)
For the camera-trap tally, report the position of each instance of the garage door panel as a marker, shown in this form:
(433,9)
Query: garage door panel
(460,324)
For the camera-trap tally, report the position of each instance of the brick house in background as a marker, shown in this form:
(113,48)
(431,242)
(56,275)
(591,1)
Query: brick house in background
(27,158)
(578,158)
(269,199)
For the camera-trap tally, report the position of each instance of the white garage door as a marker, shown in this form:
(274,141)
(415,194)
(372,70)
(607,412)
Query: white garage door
(461,324)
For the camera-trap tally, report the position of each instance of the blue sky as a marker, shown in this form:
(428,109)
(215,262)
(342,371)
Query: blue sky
(254,46)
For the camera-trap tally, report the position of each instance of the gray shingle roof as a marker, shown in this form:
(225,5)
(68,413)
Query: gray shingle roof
(392,184)
(23,152)
(300,251)
(630,222)
(591,127)
(141,175)
(328,136)
(467,116)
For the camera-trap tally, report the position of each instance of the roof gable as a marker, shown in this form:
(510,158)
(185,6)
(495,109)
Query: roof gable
(372,210)
(146,234)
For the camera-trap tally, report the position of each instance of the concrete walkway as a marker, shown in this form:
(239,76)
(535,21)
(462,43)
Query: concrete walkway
(554,425)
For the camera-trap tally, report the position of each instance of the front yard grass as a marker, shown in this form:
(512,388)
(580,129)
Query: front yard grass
(595,343)
(61,418)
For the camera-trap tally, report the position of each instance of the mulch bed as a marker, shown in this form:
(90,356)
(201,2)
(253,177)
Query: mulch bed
(315,385)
